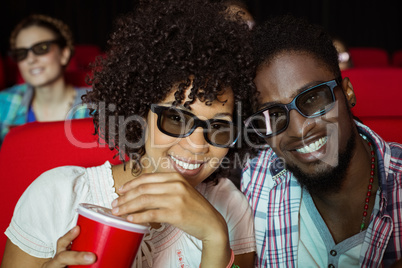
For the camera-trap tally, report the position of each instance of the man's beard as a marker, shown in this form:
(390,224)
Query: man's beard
(329,180)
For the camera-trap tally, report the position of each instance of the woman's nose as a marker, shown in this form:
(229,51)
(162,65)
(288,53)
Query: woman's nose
(196,142)
(31,57)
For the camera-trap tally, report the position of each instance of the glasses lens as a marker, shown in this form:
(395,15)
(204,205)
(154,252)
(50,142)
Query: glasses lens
(270,121)
(19,54)
(222,132)
(41,48)
(176,122)
(315,101)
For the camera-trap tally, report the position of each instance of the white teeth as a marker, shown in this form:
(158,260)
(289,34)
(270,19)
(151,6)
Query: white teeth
(185,165)
(312,147)
(36,71)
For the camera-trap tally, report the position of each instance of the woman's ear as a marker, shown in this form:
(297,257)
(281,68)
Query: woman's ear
(348,91)
(65,56)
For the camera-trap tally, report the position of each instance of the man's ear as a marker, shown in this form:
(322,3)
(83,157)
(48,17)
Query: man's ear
(348,91)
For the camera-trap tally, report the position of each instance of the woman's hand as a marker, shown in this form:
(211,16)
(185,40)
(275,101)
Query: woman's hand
(66,257)
(169,198)
(15,257)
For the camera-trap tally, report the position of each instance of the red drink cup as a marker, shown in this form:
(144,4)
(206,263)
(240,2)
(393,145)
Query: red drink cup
(114,240)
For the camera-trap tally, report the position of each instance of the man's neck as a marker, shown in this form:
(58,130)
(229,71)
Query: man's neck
(343,211)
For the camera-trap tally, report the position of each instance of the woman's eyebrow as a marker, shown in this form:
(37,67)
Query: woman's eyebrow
(223,115)
(181,106)
(184,108)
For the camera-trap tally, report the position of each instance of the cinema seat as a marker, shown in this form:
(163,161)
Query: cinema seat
(29,150)
(77,78)
(396,59)
(369,57)
(378,99)
(84,55)
(12,74)
(389,128)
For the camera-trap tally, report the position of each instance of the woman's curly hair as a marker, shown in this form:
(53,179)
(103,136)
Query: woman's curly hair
(162,44)
(61,30)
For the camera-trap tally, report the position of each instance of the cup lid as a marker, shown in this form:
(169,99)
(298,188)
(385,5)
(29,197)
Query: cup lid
(104,215)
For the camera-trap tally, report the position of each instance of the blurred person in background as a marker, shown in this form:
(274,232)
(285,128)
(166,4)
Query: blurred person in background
(345,61)
(239,8)
(42,47)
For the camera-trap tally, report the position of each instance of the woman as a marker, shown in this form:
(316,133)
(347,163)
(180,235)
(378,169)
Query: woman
(168,95)
(42,46)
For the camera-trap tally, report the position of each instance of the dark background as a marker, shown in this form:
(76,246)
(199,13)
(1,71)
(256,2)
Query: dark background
(359,23)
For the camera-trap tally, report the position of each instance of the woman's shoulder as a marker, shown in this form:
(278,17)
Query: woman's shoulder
(224,185)
(46,210)
(65,172)
(79,110)
(58,179)
(231,203)
(16,90)
(57,188)
(63,185)
(225,193)
(52,187)
(82,90)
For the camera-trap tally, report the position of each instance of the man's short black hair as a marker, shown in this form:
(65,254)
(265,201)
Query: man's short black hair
(288,33)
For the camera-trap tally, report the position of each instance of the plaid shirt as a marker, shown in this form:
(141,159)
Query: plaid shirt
(15,102)
(275,196)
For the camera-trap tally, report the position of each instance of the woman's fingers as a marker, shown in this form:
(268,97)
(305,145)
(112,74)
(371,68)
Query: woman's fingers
(149,178)
(66,257)
(138,193)
(144,203)
(64,242)
(153,188)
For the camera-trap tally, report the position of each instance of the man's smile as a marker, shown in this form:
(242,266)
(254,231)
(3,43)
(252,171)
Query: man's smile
(313,146)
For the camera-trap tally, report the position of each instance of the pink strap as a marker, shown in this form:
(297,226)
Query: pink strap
(231,259)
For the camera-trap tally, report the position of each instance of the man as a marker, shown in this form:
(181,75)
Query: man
(326,192)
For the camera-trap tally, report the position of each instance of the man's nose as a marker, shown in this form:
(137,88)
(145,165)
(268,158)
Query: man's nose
(299,125)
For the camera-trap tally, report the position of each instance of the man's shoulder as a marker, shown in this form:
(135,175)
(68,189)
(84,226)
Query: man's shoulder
(396,156)
(396,149)
(388,151)
(266,161)
(264,172)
